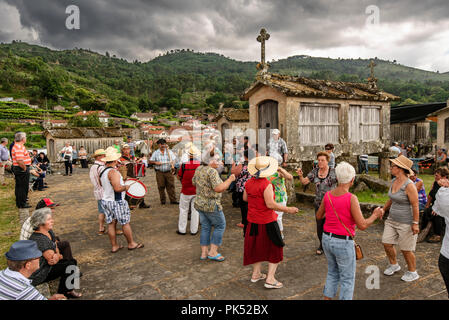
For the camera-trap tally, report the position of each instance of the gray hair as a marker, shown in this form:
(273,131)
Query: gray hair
(19,136)
(39,217)
(3,140)
(344,172)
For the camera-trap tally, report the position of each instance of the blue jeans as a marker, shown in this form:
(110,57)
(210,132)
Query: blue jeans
(208,220)
(341,264)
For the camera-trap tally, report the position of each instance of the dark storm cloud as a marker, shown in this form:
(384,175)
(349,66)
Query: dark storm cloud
(141,29)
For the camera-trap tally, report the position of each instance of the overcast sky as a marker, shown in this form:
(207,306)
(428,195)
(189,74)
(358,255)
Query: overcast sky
(415,33)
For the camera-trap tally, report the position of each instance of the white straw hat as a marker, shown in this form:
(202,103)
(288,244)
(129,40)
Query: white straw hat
(111,155)
(262,167)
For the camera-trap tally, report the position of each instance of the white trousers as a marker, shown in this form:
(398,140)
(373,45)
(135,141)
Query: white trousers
(280,213)
(186,203)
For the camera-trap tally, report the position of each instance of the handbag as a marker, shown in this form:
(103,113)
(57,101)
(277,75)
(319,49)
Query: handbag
(357,247)
(67,157)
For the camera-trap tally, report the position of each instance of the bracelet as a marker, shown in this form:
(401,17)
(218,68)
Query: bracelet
(415,222)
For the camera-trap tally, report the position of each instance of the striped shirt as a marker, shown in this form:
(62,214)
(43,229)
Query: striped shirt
(164,158)
(14,286)
(94,175)
(19,152)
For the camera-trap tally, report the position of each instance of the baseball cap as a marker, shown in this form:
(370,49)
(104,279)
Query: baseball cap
(46,202)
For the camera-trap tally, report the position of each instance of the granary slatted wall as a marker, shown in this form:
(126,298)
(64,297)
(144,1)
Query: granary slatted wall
(318,123)
(411,133)
(364,123)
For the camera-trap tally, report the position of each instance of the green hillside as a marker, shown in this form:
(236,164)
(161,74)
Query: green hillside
(180,78)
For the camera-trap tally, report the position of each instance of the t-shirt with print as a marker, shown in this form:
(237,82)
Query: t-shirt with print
(280,191)
(206,179)
(323,185)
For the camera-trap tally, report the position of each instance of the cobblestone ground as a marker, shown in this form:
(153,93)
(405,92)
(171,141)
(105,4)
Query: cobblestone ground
(168,267)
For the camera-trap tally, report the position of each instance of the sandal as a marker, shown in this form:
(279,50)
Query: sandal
(118,232)
(434,239)
(276,285)
(139,245)
(115,251)
(73,295)
(217,257)
(201,258)
(102,232)
(319,252)
(261,277)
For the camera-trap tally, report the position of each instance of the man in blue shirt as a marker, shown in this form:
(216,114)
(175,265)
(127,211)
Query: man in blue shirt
(4,157)
(164,161)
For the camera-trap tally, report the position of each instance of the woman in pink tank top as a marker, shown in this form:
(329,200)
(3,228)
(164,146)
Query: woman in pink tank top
(342,211)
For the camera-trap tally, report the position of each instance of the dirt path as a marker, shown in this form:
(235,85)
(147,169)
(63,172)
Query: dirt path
(169,266)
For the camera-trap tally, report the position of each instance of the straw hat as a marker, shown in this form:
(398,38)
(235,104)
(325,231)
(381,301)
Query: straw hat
(262,166)
(403,162)
(111,155)
(99,152)
(193,151)
(126,146)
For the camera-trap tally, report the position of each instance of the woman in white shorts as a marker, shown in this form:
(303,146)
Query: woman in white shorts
(402,225)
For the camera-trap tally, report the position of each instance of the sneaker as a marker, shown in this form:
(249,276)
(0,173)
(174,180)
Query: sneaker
(410,276)
(392,269)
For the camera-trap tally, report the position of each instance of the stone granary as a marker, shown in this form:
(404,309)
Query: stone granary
(309,113)
(235,120)
(91,138)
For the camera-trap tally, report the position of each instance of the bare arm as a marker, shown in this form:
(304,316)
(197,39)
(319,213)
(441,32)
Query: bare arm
(51,257)
(304,181)
(356,213)
(245,196)
(268,196)
(412,195)
(320,213)
(235,170)
(387,205)
(284,174)
(225,185)
(114,177)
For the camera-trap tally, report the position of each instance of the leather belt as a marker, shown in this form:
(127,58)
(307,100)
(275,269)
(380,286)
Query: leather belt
(333,235)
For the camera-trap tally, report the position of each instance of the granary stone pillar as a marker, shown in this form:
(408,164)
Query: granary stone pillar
(384,165)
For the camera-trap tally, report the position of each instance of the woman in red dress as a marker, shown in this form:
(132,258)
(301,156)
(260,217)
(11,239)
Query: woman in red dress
(263,241)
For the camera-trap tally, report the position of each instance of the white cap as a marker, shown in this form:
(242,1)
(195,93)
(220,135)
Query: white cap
(275,131)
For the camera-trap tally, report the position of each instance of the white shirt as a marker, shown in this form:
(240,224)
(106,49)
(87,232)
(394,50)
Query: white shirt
(441,207)
(69,151)
(94,175)
(108,189)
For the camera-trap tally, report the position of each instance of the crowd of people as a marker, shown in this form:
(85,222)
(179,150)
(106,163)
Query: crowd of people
(257,179)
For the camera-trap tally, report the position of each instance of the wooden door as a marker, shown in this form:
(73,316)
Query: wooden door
(446,130)
(268,117)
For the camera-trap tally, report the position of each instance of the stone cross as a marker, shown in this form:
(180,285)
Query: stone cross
(372,65)
(264,36)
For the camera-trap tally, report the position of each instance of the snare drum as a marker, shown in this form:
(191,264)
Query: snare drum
(137,189)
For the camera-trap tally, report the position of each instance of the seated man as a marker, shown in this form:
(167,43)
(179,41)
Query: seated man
(37,176)
(22,260)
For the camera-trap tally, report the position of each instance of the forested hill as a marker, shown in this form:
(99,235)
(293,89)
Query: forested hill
(181,78)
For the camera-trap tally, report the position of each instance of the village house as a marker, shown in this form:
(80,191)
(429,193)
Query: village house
(7,99)
(143,117)
(232,121)
(192,123)
(58,108)
(442,118)
(91,138)
(103,116)
(58,123)
(184,117)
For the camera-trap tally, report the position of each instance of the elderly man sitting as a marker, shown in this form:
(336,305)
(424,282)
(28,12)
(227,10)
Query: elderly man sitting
(22,260)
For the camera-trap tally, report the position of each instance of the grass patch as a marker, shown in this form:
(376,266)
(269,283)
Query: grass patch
(9,220)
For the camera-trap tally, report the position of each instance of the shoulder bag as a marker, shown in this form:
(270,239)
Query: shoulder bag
(358,248)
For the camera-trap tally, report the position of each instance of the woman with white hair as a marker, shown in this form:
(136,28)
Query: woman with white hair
(342,211)
(52,263)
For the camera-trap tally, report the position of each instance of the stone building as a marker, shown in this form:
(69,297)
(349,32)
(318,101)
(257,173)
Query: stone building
(236,120)
(91,138)
(442,118)
(310,113)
